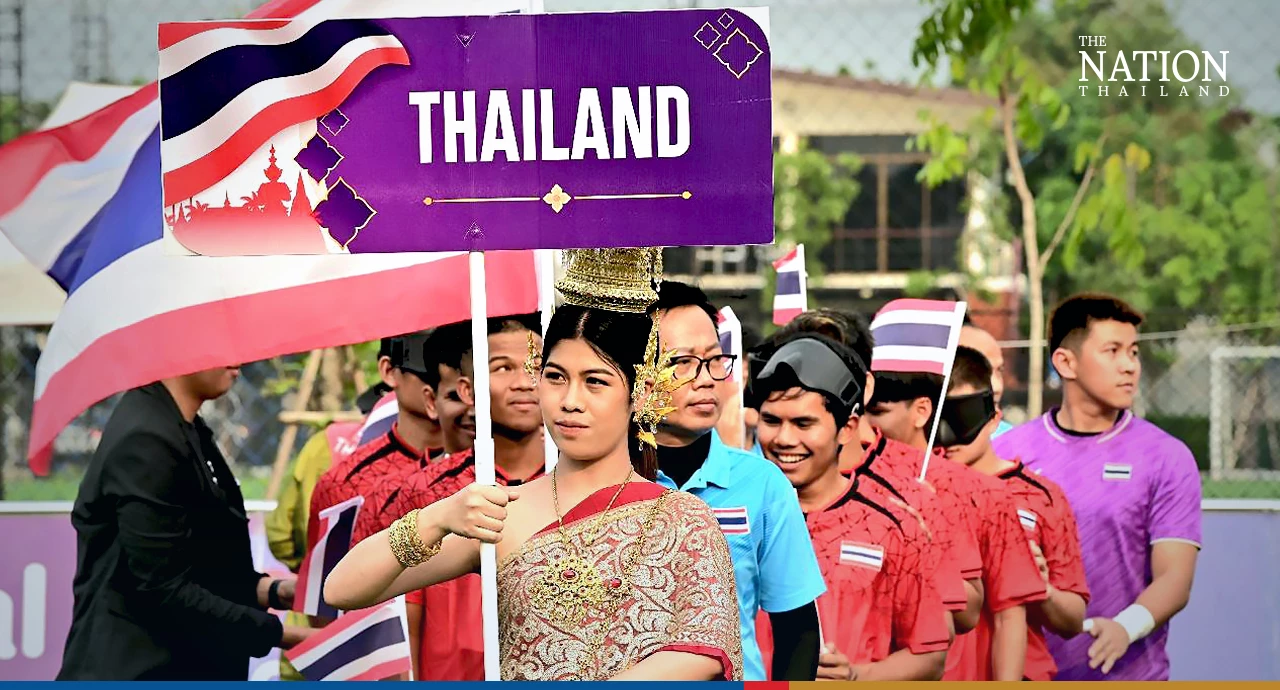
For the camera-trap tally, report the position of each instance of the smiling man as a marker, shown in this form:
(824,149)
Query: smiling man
(1135,491)
(883,616)
(774,565)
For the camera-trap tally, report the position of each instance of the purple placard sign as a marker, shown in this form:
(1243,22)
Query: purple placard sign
(550,131)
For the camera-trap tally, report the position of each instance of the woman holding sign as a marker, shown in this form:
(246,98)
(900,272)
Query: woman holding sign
(602,573)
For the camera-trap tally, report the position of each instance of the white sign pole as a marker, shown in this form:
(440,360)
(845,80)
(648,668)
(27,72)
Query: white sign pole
(953,341)
(485,471)
(546,304)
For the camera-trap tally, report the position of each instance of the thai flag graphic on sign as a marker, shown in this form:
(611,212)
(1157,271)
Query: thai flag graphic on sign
(733,520)
(862,555)
(1027,518)
(337,523)
(380,420)
(916,336)
(371,644)
(792,295)
(1116,472)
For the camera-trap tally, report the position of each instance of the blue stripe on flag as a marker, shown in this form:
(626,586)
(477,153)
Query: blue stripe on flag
(726,343)
(919,334)
(130,219)
(736,520)
(375,637)
(337,544)
(788,283)
(204,87)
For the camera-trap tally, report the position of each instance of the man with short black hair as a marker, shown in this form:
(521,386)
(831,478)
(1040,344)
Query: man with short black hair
(1134,488)
(773,560)
(883,617)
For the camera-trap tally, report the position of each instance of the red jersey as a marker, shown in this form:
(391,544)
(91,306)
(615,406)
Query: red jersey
(880,572)
(451,643)
(358,473)
(893,470)
(1046,517)
(1009,576)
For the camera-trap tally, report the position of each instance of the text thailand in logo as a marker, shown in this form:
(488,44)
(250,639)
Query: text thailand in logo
(30,637)
(1120,73)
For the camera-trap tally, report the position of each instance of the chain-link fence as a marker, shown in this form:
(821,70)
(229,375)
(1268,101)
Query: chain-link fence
(1178,213)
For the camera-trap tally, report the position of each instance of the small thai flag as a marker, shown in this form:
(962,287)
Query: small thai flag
(730,329)
(1028,519)
(792,296)
(336,525)
(733,520)
(1117,473)
(370,644)
(862,555)
(916,336)
(380,420)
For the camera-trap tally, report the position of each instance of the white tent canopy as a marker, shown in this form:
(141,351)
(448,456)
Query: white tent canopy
(29,296)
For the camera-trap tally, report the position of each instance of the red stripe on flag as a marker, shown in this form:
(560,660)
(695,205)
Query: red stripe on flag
(27,159)
(297,319)
(921,304)
(907,366)
(790,256)
(386,670)
(204,172)
(176,32)
(782,317)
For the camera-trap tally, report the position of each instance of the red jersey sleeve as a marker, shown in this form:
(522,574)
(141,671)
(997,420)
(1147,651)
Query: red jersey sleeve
(417,597)
(1062,547)
(919,617)
(1011,577)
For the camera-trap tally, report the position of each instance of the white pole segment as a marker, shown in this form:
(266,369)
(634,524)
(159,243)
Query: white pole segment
(485,471)
(953,341)
(546,304)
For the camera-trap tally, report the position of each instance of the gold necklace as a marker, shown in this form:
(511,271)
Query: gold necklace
(572,586)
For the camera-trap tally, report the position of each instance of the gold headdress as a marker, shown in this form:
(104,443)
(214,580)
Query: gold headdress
(624,280)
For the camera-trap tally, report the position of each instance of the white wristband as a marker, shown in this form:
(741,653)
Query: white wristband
(1137,621)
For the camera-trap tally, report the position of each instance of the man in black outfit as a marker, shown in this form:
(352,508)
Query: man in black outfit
(165,586)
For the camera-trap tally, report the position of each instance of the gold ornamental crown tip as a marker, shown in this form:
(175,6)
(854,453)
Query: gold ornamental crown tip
(621,279)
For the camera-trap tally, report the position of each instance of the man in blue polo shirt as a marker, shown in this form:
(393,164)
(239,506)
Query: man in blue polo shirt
(773,560)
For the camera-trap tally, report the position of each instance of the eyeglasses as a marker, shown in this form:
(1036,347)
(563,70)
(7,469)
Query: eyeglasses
(690,366)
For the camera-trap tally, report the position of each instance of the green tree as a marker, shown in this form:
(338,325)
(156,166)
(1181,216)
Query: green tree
(812,192)
(18,117)
(1159,199)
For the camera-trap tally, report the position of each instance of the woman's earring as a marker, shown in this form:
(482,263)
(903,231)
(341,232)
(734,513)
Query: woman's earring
(531,362)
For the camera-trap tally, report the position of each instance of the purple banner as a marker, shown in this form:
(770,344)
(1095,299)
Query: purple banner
(504,132)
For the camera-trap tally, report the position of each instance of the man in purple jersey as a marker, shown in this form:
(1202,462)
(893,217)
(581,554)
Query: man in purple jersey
(1135,491)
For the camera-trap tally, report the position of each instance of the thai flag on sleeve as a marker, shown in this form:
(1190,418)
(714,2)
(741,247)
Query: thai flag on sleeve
(83,202)
(730,330)
(227,87)
(370,644)
(792,296)
(916,335)
(380,420)
(336,525)
(733,520)
(862,555)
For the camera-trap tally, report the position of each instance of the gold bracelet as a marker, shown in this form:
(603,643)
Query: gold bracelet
(406,544)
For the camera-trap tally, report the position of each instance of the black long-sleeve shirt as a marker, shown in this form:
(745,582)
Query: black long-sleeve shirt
(165,586)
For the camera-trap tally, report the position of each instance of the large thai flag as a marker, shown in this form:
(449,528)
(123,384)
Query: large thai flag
(370,644)
(916,336)
(227,87)
(791,299)
(336,526)
(83,202)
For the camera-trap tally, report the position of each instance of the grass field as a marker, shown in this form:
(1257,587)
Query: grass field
(62,487)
